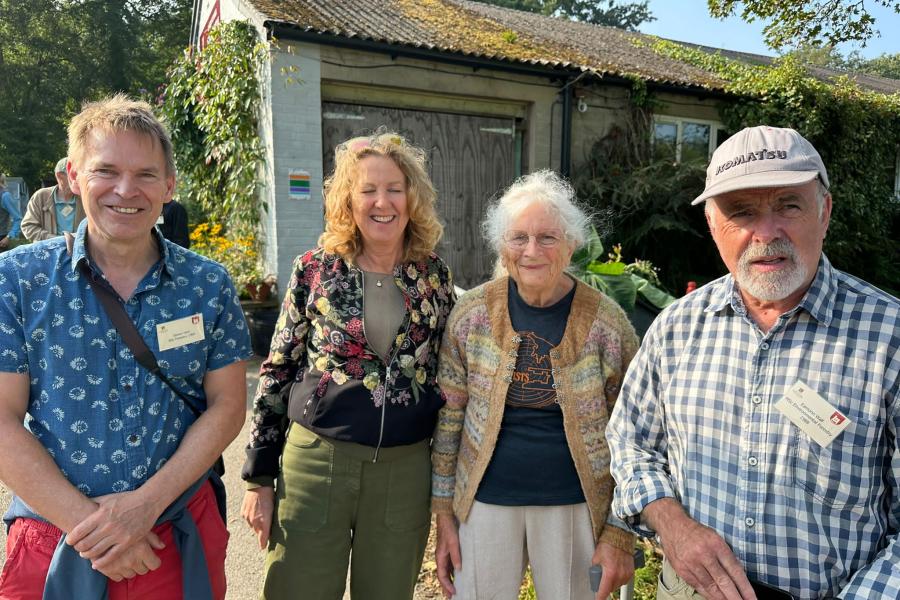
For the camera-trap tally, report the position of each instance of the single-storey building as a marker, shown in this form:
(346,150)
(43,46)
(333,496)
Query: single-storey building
(491,93)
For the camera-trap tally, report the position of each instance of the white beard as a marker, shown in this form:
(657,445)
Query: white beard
(773,286)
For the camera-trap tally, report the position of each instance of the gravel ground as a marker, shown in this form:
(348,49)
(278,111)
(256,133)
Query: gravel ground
(244,564)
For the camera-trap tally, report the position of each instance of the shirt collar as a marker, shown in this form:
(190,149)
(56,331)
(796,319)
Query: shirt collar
(79,249)
(58,200)
(818,301)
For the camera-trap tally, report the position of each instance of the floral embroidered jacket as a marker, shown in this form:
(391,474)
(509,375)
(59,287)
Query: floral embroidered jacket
(322,373)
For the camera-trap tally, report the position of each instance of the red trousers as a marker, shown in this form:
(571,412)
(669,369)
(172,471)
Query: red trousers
(31,543)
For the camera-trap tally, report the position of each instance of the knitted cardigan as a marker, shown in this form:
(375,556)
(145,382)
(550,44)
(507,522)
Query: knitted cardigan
(475,368)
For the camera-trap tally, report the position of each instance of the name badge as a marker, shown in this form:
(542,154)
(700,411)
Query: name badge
(180,332)
(67,210)
(812,414)
(159,220)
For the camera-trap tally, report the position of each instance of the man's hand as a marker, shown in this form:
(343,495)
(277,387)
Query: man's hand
(120,521)
(446,552)
(697,553)
(4,242)
(618,568)
(138,559)
(257,510)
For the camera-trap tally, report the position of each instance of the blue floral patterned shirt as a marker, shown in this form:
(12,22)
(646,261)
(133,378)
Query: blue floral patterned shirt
(106,421)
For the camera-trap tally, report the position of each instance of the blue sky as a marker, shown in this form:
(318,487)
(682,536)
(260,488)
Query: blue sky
(689,21)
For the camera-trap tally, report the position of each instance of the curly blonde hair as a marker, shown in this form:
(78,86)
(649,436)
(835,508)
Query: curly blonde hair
(341,235)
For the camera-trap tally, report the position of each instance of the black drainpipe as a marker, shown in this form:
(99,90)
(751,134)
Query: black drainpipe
(565,152)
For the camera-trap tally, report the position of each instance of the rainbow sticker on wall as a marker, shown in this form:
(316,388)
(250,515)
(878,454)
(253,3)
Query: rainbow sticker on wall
(299,184)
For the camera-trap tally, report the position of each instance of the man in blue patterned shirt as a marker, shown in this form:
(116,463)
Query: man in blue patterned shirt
(99,452)
(756,430)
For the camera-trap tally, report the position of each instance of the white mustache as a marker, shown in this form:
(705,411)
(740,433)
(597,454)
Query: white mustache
(780,247)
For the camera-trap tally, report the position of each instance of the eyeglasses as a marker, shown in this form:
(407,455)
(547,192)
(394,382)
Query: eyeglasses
(518,240)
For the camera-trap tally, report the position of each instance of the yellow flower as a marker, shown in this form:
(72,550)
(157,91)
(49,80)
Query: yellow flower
(420,376)
(434,280)
(339,376)
(371,381)
(323,305)
(321,363)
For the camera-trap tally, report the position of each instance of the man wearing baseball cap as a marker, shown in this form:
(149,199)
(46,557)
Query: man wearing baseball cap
(54,210)
(756,430)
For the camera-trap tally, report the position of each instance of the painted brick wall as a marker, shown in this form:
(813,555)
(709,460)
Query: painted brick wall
(294,130)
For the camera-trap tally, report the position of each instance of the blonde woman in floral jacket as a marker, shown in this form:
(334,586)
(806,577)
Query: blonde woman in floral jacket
(338,458)
(530,367)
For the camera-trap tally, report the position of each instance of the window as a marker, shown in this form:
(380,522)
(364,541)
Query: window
(897,178)
(682,140)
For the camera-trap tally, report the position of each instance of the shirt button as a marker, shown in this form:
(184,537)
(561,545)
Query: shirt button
(133,439)
(749,522)
(127,387)
(764,346)
(756,399)
(752,460)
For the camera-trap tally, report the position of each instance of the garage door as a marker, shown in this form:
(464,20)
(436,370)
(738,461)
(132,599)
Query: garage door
(471,159)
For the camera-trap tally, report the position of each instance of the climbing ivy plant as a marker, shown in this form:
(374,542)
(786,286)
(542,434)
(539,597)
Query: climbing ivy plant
(857,132)
(212,107)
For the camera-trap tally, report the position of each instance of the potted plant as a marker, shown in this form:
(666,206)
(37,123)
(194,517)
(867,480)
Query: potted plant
(240,255)
(635,287)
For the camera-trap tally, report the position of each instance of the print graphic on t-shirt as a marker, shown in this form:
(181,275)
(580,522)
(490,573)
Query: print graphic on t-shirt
(532,381)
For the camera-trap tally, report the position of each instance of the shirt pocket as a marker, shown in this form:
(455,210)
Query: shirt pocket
(845,474)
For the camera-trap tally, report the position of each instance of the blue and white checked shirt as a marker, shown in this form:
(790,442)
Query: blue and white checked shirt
(695,421)
(106,421)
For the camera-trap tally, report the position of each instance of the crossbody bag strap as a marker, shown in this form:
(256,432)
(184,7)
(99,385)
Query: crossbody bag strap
(109,300)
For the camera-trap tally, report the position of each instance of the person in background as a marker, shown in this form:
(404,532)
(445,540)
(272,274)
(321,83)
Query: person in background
(10,216)
(530,368)
(347,398)
(173,224)
(757,429)
(54,210)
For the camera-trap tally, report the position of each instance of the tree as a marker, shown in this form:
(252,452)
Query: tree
(55,54)
(794,22)
(886,65)
(624,16)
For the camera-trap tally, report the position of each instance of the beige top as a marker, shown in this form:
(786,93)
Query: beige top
(383,311)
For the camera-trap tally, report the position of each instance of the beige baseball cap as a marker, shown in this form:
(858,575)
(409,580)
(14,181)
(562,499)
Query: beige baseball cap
(762,157)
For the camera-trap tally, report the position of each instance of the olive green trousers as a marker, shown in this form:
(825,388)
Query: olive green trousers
(335,507)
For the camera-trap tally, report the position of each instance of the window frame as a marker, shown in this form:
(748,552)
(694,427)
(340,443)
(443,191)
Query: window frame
(714,127)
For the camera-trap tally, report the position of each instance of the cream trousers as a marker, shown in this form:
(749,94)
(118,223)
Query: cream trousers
(497,542)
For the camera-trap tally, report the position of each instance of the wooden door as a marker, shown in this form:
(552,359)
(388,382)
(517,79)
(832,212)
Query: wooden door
(470,160)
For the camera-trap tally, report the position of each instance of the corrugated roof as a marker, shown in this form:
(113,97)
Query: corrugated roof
(485,31)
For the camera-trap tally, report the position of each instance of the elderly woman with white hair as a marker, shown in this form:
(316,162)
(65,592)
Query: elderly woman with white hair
(530,366)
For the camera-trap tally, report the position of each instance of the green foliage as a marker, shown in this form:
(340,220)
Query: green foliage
(212,106)
(856,132)
(624,16)
(795,22)
(55,54)
(646,202)
(621,282)
(886,65)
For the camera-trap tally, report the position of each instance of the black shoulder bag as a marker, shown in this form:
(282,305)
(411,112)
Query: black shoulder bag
(132,338)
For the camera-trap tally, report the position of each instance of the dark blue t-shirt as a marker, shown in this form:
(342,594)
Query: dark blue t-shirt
(532,464)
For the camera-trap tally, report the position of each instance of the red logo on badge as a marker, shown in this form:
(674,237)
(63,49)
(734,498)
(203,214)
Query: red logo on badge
(196,319)
(837,418)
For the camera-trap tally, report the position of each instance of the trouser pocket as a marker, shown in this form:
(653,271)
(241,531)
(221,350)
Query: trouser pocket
(304,488)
